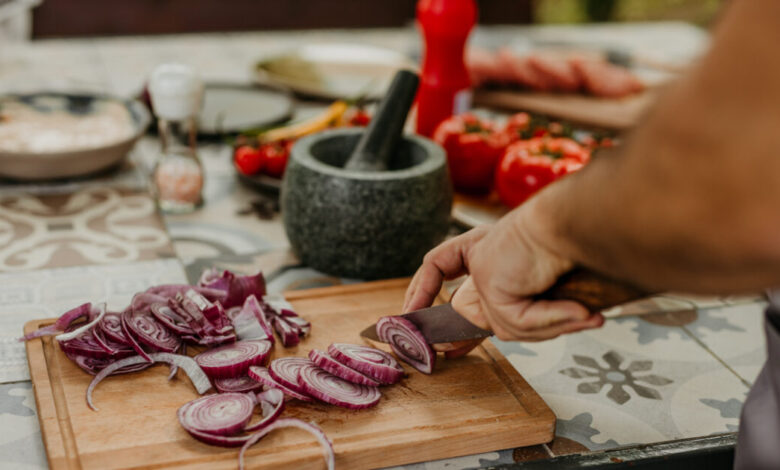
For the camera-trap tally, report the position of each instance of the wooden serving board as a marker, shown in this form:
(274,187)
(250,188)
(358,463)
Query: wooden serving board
(609,113)
(475,404)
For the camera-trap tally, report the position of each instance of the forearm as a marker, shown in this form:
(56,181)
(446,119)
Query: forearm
(692,202)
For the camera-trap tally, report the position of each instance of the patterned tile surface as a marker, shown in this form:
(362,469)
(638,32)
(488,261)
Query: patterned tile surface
(95,225)
(47,293)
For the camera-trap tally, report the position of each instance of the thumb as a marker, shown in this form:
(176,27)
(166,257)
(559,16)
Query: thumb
(467,302)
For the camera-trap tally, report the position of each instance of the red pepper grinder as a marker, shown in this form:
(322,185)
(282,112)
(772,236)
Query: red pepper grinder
(445,88)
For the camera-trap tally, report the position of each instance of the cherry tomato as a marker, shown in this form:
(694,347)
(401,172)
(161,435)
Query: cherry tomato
(248,159)
(276,155)
(473,148)
(358,118)
(529,165)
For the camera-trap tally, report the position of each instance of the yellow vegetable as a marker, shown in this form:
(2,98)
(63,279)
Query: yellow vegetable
(328,118)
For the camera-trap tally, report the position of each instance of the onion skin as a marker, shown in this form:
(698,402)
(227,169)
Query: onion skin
(372,362)
(329,388)
(199,378)
(223,414)
(324,361)
(407,342)
(234,359)
(327,446)
(262,375)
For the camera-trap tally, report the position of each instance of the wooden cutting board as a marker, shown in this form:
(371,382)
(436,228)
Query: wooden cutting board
(475,404)
(609,113)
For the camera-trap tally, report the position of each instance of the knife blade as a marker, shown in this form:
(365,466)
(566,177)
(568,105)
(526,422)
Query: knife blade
(442,324)
(438,324)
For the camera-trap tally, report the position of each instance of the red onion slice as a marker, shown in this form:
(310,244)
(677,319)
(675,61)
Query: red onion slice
(272,404)
(329,388)
(93,365)
(111,324)
(199,378)
(235,288)
(285,370)
(372,362)
(289,335)
(223,414)
(165,315)
(147,330)
(327,446)
(262,375)
(249,321)
(62,323)
(407,342)
(237,384)
(96,313)
(85,345)
(233,360)
(324,361)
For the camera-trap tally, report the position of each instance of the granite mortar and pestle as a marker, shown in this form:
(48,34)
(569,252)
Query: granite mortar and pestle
(368,204)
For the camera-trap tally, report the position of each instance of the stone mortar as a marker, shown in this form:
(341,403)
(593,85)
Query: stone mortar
(365,225)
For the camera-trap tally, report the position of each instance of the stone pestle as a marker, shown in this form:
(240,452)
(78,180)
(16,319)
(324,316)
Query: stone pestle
(378,144)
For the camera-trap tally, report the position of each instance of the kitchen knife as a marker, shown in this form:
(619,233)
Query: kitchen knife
(442,324)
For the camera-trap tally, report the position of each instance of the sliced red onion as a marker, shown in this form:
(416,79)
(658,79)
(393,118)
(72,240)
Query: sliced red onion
(150,332)
(63,322)
(407,342)
(165,315)
(101,340)
(129,335)
(96,313)
(142,301)
(249,323)
(213,312)
(111,325)
(85,345)
(233,360)
(372,362)
(285,371)
(272,404)
(262,375)
(253,306)
(169,291)
(289,335)
(324,361)
(237,384)
(93,365)
(223,414)
(326,387)
(236,288)
(327,446)
(199,378)
(209,340)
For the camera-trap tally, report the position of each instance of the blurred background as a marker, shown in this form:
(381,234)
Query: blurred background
(64,18)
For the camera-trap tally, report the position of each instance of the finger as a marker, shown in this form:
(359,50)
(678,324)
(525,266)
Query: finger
(467,302)
(515,320)
(446,261)
(595,321)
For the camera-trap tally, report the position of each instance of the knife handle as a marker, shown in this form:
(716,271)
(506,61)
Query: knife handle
(595,291)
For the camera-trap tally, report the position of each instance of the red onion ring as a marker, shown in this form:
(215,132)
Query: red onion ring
(407,342)
(261,375)
(272,404)
(85,345)
(146,329)
(327,446)
(111,324)
(199,378)
(165,315)
(329,388)
(93,365)
(237,384)
(62,323)
(249,321)
(222,414)
(285,370)
(95,314)
(324,361)
(372,362)
(233,360)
